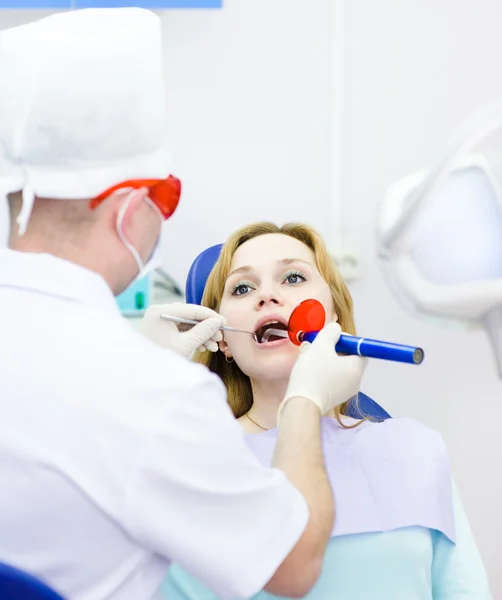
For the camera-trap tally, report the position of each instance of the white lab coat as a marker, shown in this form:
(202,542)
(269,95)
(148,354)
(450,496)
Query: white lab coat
(117,457)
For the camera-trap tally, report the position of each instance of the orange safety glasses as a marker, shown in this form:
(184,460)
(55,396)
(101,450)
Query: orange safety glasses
(164,193)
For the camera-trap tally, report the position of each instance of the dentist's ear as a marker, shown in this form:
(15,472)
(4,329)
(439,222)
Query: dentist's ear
(126,204)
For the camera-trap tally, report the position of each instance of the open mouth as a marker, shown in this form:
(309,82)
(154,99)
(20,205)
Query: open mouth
(271,332)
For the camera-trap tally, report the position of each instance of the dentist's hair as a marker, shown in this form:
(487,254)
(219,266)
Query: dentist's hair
(239,393)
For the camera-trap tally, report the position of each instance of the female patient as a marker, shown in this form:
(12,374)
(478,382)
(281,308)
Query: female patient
(400,530)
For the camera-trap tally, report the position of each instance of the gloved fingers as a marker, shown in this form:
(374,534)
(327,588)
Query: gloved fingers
(328,336)
(211,346)
(355,365)
(205,331)
(155,310)
(217,337)
(156,329)
(304,347)
(189,311)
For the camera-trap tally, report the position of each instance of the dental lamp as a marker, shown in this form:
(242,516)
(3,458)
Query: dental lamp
(440,234)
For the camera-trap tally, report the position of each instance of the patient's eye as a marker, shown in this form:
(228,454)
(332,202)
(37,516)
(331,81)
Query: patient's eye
(294,277)
(241,288)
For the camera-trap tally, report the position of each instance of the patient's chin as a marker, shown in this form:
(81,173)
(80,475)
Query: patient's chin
(273,367)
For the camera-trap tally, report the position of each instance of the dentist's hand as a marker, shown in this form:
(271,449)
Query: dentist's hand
(203,336)
(322,375)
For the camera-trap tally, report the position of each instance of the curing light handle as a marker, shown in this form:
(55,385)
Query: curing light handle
(349,344)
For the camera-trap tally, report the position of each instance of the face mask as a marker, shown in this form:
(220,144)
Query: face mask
(154,260)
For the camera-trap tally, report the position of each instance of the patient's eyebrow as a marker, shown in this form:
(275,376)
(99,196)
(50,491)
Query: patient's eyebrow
(244,269)
(289,261)
(282,261)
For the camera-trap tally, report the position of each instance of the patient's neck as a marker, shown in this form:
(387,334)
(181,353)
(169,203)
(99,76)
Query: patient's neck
(267,395)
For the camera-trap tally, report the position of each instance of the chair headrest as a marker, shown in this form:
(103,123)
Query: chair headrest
(199,272)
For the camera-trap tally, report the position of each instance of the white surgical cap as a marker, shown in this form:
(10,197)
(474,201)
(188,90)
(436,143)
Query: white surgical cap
(82,104)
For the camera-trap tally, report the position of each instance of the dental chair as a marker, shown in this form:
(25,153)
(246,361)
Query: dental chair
(18,585)
(202,266)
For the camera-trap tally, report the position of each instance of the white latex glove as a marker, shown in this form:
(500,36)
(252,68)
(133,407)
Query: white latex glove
(204,336)
(322,375)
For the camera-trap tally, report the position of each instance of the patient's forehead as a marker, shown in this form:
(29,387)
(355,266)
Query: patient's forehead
(267,249)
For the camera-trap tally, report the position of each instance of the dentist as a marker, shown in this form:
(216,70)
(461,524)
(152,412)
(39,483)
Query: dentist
(119,456)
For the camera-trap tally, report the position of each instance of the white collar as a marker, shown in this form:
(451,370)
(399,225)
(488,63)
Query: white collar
(53,276)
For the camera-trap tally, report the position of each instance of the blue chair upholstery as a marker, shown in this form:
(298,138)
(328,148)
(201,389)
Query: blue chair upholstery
(18,585)
(199,272)
(364,406)
(202,266)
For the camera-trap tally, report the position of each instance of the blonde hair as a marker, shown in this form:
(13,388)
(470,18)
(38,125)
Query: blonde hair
(239,392)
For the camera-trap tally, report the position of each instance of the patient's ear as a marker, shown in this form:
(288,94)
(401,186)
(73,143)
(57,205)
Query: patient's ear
(223,346)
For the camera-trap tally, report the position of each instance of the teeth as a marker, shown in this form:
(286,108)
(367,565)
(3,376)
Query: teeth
(272,322)
(269,323)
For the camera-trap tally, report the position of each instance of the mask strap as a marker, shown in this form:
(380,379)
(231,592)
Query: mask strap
(122,236)
(26,208)
(155,208)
